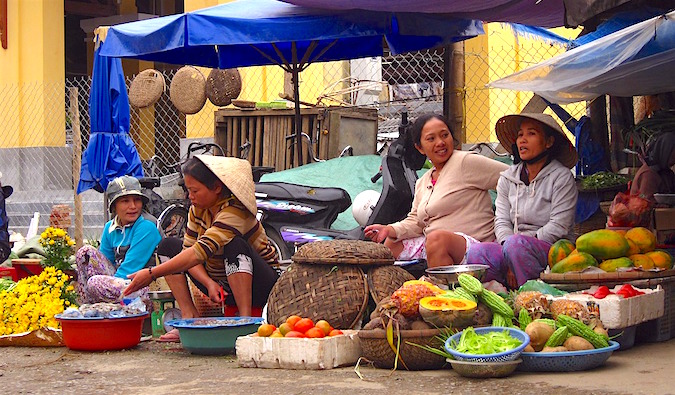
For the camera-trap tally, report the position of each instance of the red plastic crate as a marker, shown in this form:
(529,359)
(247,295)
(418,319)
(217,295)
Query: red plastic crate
(26,267)
(9,272)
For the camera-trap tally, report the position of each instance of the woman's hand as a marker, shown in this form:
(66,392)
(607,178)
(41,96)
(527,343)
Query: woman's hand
(140,279)
(214,291)
(377,233)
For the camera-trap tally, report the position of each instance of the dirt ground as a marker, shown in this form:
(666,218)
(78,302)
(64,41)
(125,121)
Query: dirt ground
(159,368)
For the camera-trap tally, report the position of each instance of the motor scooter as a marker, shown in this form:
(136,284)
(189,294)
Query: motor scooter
(293,214)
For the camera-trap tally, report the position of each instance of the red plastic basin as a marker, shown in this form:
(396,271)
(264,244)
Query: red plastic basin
(102,334)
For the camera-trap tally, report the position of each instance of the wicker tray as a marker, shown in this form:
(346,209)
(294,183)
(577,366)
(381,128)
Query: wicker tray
(384,280)
(146,88)
(566,361)
(222,86)
(375,348)
(578,277)
(338,294)
(355,252)
(188,90)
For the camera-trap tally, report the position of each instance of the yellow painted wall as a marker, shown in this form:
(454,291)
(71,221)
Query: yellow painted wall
(506,54)
(32,70)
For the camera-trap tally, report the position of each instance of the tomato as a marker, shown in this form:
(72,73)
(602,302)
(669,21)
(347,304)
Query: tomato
(315,333)
(303,325)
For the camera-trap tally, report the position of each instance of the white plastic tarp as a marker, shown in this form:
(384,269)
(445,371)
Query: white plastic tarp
(608,65)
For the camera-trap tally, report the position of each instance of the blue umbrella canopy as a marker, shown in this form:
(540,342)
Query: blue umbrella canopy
(110,152)
(270,32)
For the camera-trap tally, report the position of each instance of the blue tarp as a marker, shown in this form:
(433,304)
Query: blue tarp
(263,32)
(110,152)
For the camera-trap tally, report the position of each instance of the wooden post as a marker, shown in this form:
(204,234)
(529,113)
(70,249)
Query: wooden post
(74,113)
(453,93)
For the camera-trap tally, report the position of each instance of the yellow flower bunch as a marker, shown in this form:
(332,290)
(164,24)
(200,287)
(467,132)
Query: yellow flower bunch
(34,301)
(58,248)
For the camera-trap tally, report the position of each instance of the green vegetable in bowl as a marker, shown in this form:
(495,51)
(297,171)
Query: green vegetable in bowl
(488,343)
(602,180)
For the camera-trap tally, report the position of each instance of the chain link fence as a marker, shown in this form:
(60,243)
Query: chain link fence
(37,143)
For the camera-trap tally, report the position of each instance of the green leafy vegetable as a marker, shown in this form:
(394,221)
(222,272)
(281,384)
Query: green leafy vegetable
(473,343)
(602,180)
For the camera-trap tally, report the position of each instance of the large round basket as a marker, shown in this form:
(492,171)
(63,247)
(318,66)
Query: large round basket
(338,294)
(354,252)
(384,280)
(375,348)
(222,86)
(188,90)
(146,88)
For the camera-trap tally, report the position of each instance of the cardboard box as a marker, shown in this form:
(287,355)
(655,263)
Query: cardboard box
(664,218)
(616,312)
(298,353)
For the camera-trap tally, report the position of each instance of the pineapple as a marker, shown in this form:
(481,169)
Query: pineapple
(407,299)
(570,308)
(535,303)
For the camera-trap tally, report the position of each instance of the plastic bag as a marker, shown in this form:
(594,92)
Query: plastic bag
(540,286)
(629,211)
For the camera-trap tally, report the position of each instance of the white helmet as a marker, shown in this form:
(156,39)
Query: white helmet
(363,205)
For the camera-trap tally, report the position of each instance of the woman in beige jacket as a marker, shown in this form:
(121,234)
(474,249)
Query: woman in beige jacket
(452,208)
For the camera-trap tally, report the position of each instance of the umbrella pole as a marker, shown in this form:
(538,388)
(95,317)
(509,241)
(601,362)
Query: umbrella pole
(296,100)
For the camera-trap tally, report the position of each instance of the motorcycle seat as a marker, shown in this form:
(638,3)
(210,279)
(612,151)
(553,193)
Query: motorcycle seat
(149,182)
(285,190)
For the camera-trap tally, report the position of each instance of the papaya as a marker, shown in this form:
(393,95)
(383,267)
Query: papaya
(644,239)
(560,250)
(622,232)
(610,265)
(661,259)
(574,262)
(642,261)
(632,248)
(603,244)
(447,312)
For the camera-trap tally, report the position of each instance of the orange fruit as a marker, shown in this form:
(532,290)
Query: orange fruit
(315,333)
(661,259)
(295,334)
(303,325)
(335,332)
(285,328)
(266,330)
(292,320)
(276,333)
(324,326)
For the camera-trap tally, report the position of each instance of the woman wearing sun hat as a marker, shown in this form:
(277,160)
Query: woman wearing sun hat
(127,245)
(225,245)
(536,199)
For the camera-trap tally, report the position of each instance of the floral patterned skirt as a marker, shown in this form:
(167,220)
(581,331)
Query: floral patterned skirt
(96,281)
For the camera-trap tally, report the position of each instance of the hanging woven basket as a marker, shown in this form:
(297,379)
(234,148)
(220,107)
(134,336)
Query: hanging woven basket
(223,86)
(188,90)
(146,88)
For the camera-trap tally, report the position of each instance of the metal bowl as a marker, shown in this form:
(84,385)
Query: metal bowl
(160,295)
(665,198)
(448,274)
(484,369)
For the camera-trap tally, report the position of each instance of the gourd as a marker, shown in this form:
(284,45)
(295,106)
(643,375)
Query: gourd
(447,312)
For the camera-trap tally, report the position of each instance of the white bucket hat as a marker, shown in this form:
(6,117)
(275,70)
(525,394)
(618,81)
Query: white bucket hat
(507,132)
(237,176)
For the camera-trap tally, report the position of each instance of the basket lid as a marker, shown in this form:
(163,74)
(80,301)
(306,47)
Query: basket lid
(222,86)
(146,88)
(336,294)
(384,280)
(188,90)
(357,252)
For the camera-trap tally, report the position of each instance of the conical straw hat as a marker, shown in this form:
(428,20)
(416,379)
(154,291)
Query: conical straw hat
(237,176)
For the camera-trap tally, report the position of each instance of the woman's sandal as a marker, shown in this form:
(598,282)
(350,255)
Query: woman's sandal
(170,337)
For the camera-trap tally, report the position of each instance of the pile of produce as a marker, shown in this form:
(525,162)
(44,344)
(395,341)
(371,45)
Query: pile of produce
(473,343)
(33,302)
(565,334)
(603,180)
(609,250)
(296,326)
(104,310)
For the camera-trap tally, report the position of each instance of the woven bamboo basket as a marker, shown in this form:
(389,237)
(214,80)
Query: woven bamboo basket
(384,280)
(375,348)
(188,90)
(146,88)
(222,86)
(338,294)
(353,252)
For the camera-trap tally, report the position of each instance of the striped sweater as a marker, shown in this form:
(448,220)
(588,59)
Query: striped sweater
(208,234)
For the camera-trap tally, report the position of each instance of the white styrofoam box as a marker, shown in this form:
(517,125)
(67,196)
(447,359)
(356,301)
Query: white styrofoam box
(298,353)
(616,312)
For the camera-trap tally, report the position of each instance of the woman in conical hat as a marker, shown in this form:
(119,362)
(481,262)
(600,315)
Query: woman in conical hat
(224,245)
(536,199)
